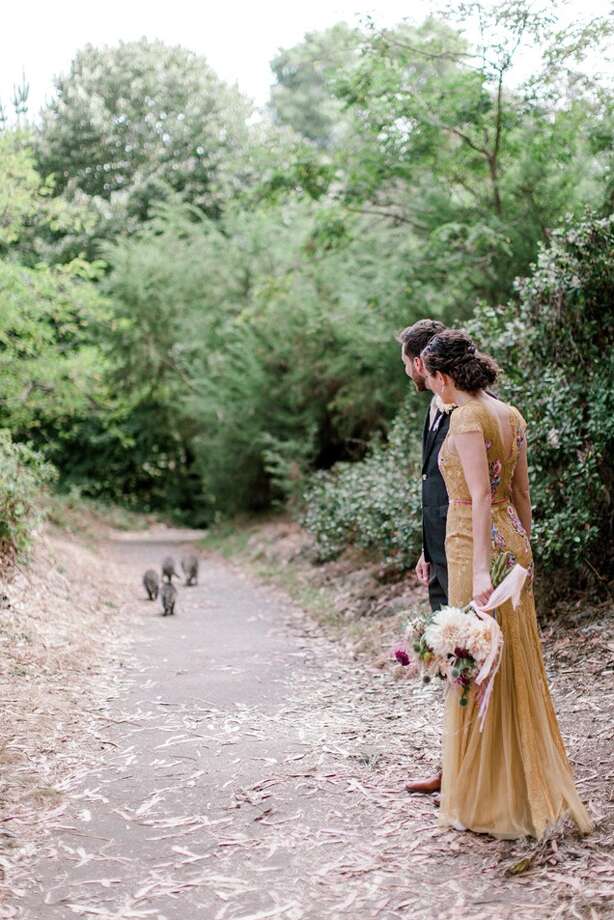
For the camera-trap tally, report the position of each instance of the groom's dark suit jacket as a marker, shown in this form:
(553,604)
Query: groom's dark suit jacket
(434,492)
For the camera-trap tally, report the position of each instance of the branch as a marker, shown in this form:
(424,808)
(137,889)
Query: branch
(392,215)
(499,118)
(464,137)
(432,120)
(464,184)
(431,55)
(173,365)
(493,158)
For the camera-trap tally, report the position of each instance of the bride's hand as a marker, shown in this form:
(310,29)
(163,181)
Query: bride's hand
(482,588)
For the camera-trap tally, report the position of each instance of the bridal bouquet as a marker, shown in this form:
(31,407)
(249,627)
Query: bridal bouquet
(463,644)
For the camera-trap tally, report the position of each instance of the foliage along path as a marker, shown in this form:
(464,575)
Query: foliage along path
(248,768)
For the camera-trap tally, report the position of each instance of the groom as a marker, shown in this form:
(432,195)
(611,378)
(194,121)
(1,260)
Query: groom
(432,568)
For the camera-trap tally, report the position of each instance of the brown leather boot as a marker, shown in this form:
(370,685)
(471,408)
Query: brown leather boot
(432,784)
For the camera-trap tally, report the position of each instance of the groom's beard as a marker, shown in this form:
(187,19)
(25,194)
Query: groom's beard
(420,385)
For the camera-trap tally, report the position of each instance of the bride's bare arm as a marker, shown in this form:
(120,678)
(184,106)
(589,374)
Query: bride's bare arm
(521,496)
(472,454)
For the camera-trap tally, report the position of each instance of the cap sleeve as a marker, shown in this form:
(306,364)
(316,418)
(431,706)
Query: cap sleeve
(466,418)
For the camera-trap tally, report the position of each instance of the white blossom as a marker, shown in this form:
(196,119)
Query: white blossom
(447,631)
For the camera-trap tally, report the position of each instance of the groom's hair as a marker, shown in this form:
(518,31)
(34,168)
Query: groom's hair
(415,338)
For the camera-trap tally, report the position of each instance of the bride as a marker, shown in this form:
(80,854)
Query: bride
(513,778)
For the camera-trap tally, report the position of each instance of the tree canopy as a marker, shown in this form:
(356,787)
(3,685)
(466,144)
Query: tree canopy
(301,95)
(128,122)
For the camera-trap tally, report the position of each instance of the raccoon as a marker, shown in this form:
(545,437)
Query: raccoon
(189,565)
(151,582)
(168,569)
(168,597)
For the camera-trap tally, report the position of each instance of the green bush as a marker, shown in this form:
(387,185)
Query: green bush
(555,342)
(23,473)
(374,504)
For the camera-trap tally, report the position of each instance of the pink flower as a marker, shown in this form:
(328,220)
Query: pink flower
(401,656)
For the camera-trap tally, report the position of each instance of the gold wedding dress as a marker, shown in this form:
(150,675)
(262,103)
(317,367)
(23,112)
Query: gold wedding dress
(512,779)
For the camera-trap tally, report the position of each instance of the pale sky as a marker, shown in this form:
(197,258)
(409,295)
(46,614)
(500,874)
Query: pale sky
(238,37)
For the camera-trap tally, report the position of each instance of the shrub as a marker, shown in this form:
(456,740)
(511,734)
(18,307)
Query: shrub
(373,504)
(555,342)
(23,473)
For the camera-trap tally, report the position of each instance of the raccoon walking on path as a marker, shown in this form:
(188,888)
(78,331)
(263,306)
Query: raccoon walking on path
(151,583)
(168,598)
(168,569)
(189,565)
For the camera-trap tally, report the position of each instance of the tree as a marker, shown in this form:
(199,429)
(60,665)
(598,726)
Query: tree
(129,122)
(29,214)
(48,365)
(52,372)
(50,369)
(21,189)
(302,96)
(475,169)
(264,352)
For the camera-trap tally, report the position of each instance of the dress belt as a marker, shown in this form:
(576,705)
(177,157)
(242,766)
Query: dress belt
(467,501)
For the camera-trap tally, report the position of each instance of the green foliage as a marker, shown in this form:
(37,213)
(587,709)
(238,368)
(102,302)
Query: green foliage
(20,187)
(302,94)
(132,124)
(374,504)
(29,214)
(266,354)
(49,368)
(23,474)
(475,170)
(55,385)
(555,341)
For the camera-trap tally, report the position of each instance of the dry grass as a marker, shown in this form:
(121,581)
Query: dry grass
(88,519)
(60,619)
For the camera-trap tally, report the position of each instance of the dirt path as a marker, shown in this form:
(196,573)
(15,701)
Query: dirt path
(247,770)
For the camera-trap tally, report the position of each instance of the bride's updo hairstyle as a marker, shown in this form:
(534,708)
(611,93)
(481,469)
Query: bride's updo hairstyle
(453,353)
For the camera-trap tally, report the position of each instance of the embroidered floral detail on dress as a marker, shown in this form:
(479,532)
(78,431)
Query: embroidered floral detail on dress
(516,523)
(494,470)
(487,443)
(497,538)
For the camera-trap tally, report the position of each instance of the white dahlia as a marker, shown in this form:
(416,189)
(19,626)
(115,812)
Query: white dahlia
(446,631)
(478,638)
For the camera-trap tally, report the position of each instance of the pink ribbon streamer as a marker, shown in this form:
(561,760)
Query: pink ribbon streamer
(509,589)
